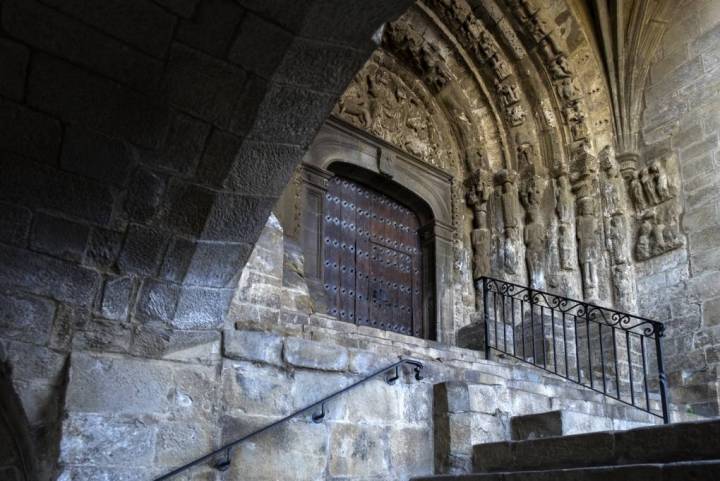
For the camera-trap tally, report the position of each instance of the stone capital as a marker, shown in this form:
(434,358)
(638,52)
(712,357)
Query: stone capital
(628,163)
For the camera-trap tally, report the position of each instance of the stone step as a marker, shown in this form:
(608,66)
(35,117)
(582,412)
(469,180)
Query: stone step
(678,471)
(656,444)
(556,423)
(581,401)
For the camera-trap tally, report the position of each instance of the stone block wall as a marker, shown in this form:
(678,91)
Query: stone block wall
(683,114)
(129,418)
(132,417)
(142,146)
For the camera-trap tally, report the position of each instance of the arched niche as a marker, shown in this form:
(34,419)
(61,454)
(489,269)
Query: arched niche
(341,149)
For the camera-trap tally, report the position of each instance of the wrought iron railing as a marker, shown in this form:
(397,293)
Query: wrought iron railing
(612,352)
(221,457)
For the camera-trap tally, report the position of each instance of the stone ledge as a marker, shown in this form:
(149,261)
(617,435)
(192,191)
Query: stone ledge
(255,346)
(315,355)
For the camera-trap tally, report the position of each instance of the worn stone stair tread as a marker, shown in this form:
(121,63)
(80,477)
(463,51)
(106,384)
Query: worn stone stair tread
(590,403)
(698,440)
(707,470)
(560,422)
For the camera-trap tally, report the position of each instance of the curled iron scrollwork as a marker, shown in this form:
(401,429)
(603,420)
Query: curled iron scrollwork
(573,307)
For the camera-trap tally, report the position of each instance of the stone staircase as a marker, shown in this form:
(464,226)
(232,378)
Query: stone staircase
(541,452)
(503,402)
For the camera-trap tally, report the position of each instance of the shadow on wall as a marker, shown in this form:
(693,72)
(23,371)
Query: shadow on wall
(16,459)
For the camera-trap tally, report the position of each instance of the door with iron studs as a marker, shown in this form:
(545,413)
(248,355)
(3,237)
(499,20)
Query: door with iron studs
(372,272)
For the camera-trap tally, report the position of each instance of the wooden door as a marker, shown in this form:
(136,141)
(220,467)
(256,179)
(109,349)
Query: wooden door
(372,259)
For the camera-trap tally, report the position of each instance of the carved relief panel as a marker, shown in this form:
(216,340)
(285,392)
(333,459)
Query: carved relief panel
(657,209)
(379,102)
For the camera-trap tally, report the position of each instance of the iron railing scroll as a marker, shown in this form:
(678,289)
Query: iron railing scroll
(221,458)
(608,351)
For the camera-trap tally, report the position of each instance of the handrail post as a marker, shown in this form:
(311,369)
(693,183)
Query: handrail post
(662,377)
(486,317)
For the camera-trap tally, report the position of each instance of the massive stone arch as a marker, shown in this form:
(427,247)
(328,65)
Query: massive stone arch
(17,459)
(143,145)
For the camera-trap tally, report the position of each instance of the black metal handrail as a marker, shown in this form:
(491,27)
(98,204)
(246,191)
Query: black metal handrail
(226,450)
(575,342)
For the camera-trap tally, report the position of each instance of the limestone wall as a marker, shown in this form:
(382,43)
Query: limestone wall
(682,115)
(133,417)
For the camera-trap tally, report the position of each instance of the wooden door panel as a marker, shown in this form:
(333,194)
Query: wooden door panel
(372,259)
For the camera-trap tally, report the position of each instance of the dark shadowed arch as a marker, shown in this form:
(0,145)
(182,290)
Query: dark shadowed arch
(16,458)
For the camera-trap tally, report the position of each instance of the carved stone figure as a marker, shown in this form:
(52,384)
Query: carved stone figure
(501,68)
(617,239)
(511,248)
(586,220)
(536,245)
(559,67)
(588,251)
(662,186)
(624,287)
(478,194)
(511,218)
(657,238)
(536,234)
(564,207)
(356,104)
(578,127)
(525,152)
(516,115)
(636,190)
(532,193)
(567,90)
(509,193)
(487,44)
(402,37)
(537,27)
(477,197)
(672,231)
(648,184)
(642,247)
(508,93)
(612,183)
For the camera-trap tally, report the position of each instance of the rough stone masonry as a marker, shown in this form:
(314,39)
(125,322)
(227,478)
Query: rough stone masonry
(144,143)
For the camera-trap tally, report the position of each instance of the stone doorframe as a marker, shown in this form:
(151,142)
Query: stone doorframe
(340,149)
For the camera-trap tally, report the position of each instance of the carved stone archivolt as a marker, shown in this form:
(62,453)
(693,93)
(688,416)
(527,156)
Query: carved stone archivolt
(481,43)
(543,35)
(402,38)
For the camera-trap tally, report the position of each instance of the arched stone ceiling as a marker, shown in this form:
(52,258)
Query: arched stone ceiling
(628,33)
